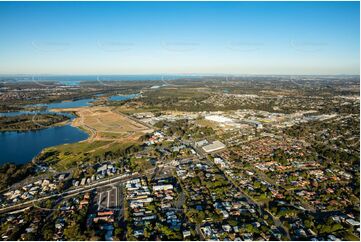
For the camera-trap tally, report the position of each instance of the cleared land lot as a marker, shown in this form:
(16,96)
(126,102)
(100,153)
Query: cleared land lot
(106,124)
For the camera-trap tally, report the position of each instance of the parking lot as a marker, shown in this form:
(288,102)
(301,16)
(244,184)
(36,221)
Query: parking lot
(109,197)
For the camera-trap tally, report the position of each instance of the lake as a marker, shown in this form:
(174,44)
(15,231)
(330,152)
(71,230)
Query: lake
(69,104)
(123,97)
(21,147)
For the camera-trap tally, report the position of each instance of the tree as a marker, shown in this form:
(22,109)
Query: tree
(61,186)
(73,232)
(309,224)
(263,196)
(90,171)
(77,173)
(48,204)
(168,233)
(29,236)
(47,232)
(250,228)
(118,231)
(199,217)
(233,222)
(196,216)
(256,184)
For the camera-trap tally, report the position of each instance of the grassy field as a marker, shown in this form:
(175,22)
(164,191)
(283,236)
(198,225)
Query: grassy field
(66,156)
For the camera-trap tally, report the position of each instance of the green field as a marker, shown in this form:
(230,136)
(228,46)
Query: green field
(69,155)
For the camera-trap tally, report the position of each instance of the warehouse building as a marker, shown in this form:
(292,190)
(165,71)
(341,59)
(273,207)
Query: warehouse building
(215,146)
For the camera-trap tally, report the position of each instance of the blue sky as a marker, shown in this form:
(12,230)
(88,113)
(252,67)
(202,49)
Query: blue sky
(179,37)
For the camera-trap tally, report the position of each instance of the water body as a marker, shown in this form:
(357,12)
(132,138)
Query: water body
(69,83)
(21,147)
(69,104)
(123,97)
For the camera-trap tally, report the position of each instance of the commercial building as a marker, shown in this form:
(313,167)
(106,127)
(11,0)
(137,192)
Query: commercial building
(218,119)
(215,146)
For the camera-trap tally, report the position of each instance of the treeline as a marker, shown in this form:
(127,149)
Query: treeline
(30,122)
(11,173)
(120,152)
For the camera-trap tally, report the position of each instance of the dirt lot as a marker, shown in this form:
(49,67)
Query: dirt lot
(106,124)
